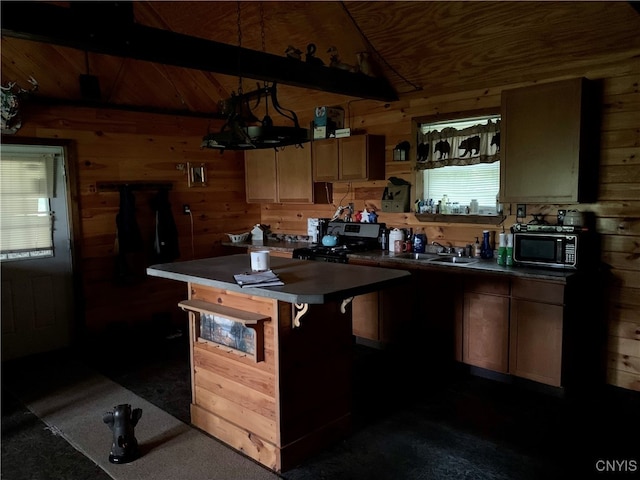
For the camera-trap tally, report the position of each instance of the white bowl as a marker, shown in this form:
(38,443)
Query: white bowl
(238,237)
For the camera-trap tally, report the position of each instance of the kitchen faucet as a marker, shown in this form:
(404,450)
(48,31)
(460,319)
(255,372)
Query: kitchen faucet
(449,249)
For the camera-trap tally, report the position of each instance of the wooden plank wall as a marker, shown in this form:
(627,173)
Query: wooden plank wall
(120,146)
(125,146)
(617,210)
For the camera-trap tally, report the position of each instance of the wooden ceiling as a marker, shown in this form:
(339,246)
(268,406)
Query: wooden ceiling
(423,48)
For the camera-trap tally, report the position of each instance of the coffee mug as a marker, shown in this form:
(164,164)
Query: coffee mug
(400,246)
(260,260)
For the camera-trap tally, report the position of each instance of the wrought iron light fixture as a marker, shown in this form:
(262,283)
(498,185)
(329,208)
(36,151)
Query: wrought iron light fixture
(243,130)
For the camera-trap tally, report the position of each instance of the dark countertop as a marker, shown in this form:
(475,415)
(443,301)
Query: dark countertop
(279,245)
(391,260)
(304,281)
(481,266)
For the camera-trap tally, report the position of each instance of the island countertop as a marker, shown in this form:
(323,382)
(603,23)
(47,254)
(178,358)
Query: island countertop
(304,281)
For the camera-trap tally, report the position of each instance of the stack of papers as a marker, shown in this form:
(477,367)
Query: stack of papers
(258,279)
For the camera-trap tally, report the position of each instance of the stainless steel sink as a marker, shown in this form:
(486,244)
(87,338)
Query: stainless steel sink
(453,260)
(417,256)
(439,258)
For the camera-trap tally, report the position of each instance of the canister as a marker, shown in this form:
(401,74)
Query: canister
(395,234)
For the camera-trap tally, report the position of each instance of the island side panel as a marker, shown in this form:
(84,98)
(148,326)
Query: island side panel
(315,373)
(234,397)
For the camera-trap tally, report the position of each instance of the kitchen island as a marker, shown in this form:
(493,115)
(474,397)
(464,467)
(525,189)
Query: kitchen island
(271,367)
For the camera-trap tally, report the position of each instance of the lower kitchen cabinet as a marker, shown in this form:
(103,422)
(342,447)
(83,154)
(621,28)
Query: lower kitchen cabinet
(366,316)
(381,316)
(485,334)
(546,331)
(515,327)
(536,336)
(272,253)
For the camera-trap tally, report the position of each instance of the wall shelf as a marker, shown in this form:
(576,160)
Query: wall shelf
(475,219)
(133,185)
(234,331)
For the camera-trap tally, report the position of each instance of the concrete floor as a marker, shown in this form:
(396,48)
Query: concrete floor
(409,423)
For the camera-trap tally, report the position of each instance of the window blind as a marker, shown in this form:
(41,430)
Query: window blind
(26,184)
(465,183)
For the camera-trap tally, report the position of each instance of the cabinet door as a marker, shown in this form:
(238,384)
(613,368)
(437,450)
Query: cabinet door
(260,176)
(536,341)
(295,182)
(365,318)
(353,158)
(486,331)
(280,254)
(325,160)
(541,143)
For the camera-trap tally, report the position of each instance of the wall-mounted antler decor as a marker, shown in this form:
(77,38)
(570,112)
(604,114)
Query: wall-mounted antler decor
(12,94)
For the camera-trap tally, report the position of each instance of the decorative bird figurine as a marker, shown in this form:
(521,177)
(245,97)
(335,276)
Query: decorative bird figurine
(310,56)
(335,61)
(367,65)
(293,52)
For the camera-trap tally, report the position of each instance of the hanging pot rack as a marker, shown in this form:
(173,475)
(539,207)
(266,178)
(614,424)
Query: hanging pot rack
(243,130)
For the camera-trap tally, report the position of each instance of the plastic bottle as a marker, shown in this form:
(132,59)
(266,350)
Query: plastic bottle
(476,249)
(384,239)
(509,250)
(444,204)
(502,249)
(486,250)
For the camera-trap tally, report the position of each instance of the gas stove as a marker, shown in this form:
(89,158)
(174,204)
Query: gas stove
(352,237)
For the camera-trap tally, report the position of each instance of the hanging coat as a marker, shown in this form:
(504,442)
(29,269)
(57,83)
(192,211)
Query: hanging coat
(129,240)
(165,247)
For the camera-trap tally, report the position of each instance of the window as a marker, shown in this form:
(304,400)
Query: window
(461,159)
(464,183)
(26,184)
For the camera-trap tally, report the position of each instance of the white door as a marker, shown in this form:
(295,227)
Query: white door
(37,293)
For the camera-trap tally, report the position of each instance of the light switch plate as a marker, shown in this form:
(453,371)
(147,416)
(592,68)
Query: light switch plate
(521,211)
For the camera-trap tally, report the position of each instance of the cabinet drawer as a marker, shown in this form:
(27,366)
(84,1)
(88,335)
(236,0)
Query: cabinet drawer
(485,284)
(545,292)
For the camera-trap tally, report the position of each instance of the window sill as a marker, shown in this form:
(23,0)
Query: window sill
(475,219)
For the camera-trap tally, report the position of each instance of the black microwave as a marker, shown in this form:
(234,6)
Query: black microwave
(556,250)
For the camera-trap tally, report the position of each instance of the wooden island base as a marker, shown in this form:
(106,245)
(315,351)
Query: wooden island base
(289,397)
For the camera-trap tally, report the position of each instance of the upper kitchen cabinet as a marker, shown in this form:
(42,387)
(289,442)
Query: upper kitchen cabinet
(283,176)
(550,143)
(260,176)
(359,157)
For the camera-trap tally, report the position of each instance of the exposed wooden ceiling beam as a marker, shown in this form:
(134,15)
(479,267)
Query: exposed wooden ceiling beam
(77,29)
(40,100)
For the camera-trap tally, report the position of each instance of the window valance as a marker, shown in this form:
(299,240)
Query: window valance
(467,146)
